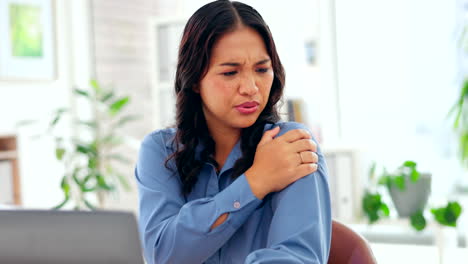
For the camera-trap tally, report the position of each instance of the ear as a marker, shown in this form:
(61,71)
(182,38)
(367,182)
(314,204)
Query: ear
(196,88)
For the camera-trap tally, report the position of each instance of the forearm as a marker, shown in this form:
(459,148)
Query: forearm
(198,229)
(219,221)
(184,239)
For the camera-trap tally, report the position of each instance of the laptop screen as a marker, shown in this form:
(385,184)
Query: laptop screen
(68,237)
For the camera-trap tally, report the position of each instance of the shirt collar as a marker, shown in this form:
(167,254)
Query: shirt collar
(236,151)
(233,156)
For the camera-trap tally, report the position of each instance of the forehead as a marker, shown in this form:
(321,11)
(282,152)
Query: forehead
(243,43)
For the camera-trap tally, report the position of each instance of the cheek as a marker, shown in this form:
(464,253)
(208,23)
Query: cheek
(217,92)
(266,85)
(224,89)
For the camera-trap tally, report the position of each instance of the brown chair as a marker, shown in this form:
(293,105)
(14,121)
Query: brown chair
(348,247)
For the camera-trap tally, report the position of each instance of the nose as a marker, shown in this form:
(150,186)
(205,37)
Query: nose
(248,85)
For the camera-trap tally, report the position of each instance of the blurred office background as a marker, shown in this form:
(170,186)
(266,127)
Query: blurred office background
(373,80)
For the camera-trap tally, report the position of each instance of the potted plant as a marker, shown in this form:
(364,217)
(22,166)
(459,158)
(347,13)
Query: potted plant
(409,190)
(89,158)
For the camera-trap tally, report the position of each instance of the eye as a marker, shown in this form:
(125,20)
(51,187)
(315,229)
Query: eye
(231,73)
(262,70)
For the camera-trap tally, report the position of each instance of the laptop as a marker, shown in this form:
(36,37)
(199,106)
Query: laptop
(70,237)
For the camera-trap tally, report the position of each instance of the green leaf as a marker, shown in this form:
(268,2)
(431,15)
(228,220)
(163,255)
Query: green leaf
(90,124)
(95,85)
(384,180)
(115,107)
(448,215)
(455,208)
(373,207)
(124,120)
(75,177)
(409,164)
(88,149)
(452,212)
(59,152)
(65,186)
(58,115)
(463,145)
(81,92)
(107,96)
(459,110)
(82,148)
(87,190)
(102,184)
(92,163)
(399,181)
(63,203)
(87,178)
(414,175)
(55,121)
(418,221)
(384,209)
(459,106)
(89,205)
(84,188)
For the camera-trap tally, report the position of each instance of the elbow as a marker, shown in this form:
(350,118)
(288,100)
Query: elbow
(157,253)
(162,251)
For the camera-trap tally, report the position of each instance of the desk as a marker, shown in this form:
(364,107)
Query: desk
(410,254)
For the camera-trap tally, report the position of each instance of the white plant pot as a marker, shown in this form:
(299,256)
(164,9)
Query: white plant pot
(446,241)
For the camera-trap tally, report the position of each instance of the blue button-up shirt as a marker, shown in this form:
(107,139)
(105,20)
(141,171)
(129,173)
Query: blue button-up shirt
(289,226)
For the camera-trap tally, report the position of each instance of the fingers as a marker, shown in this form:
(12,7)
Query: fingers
(294,135)
(306,169)
(304,145)
(308,157)
(269,135)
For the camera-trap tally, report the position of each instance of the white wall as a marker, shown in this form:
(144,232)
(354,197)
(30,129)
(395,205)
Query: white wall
(24,100)
(397,73)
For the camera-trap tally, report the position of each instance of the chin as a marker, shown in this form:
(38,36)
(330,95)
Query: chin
(246,122)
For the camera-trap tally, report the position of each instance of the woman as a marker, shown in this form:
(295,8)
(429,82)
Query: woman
(230,184)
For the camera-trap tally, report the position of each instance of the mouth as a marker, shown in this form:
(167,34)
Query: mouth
(247,107)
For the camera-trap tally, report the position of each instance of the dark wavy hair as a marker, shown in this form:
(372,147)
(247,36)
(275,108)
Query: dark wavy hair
(202,30)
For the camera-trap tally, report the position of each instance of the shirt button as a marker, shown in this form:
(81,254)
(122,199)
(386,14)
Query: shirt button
(237,205)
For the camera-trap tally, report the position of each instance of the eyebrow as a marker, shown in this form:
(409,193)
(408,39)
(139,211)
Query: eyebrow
(237,64)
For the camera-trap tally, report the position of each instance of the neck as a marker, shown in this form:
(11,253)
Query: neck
(225,140)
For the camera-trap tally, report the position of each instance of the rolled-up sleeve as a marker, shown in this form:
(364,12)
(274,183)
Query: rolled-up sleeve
(300,230)
(174,231)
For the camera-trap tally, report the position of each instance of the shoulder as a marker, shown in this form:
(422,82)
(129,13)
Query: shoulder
(287,126)
(291,125)
(163,138)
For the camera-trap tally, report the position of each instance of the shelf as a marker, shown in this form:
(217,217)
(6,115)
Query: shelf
(8,155)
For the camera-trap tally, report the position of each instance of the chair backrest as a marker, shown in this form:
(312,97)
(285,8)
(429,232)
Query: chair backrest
(348,247)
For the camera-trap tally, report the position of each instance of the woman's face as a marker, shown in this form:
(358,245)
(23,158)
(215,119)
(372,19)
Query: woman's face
(237,85)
